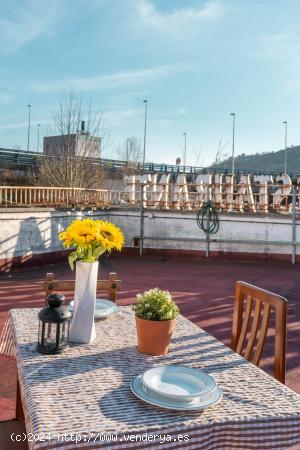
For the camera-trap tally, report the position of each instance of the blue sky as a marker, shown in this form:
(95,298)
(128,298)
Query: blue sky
(196,61)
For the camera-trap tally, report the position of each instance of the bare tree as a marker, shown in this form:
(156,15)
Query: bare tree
(73,148)
(198,157)
(220,155)
(9,177)
(131,153)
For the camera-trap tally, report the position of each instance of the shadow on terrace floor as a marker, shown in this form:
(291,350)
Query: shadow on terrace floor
(202,289)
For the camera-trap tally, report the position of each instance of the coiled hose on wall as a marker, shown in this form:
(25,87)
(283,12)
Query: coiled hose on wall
(207,218)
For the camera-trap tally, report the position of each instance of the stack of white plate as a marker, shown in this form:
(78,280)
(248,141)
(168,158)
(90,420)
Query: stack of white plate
(103,308)
(177,387)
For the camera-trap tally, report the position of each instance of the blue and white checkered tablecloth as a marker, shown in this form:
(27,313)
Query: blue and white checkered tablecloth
(82,398)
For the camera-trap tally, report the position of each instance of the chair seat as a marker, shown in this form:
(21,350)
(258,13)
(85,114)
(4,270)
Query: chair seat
(7,429)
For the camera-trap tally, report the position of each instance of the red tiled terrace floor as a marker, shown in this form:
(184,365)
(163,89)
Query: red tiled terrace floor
(202,289)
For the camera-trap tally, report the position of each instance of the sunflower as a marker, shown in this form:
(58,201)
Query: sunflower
(110,236)
(91,238)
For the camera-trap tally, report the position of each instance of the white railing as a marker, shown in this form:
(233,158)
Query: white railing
(225,197)
(16,196)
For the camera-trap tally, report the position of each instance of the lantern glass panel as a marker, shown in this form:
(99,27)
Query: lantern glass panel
(50,334)
(40,333)
(64,333)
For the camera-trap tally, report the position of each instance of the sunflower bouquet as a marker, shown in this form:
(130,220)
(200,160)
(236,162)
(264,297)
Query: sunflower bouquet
(91,238)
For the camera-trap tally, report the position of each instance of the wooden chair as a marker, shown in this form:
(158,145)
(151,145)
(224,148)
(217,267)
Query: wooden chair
(248,336)
(111,285)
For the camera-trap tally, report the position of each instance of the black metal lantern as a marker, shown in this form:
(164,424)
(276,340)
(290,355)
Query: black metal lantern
(54,324)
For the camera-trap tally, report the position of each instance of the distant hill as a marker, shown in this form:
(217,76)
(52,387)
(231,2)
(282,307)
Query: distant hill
(271,161)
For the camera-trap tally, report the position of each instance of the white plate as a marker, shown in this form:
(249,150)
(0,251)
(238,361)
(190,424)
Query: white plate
(104,308)
(178,383)
(152,398)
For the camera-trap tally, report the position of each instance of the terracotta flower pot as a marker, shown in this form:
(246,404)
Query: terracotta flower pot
(154,335)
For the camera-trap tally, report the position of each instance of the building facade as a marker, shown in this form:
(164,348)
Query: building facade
(77,144)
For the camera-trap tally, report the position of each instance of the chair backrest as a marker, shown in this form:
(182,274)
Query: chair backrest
(251,315)
(111,285)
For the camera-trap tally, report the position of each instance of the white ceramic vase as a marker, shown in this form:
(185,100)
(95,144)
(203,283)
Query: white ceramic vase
(82,328)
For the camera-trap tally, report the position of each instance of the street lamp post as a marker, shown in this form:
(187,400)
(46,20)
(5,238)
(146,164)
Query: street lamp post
(142,183)
(233,143)
(38,137)
(285,145)
(184,150)
(28,134)
(145,134)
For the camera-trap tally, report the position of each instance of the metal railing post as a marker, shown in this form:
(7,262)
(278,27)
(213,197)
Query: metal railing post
(141,241)
(294,225)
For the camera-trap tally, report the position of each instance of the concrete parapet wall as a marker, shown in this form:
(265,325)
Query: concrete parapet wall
(32,234)
(179,227)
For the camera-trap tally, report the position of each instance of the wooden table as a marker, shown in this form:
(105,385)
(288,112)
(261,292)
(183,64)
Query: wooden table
(84,394)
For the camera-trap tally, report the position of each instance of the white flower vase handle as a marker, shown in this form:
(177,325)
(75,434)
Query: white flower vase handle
(82,328)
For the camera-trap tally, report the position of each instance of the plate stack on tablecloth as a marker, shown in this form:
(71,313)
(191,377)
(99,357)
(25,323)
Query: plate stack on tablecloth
(177,387)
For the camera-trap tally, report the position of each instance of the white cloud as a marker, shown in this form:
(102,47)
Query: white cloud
(24,23)
(283,49)
(5,99)
(180,112)
(163,21)
(115,80)
(13,126)
(117,117)
(17,125)
(281,45)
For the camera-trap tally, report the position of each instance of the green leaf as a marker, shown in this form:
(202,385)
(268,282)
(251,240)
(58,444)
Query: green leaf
(72,258)
(90,253)
(98,252)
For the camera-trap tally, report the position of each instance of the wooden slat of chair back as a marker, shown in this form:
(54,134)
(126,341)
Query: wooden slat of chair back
(111,285)
(248,336)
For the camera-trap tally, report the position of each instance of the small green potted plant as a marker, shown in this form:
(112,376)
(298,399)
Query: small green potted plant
(155,315)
